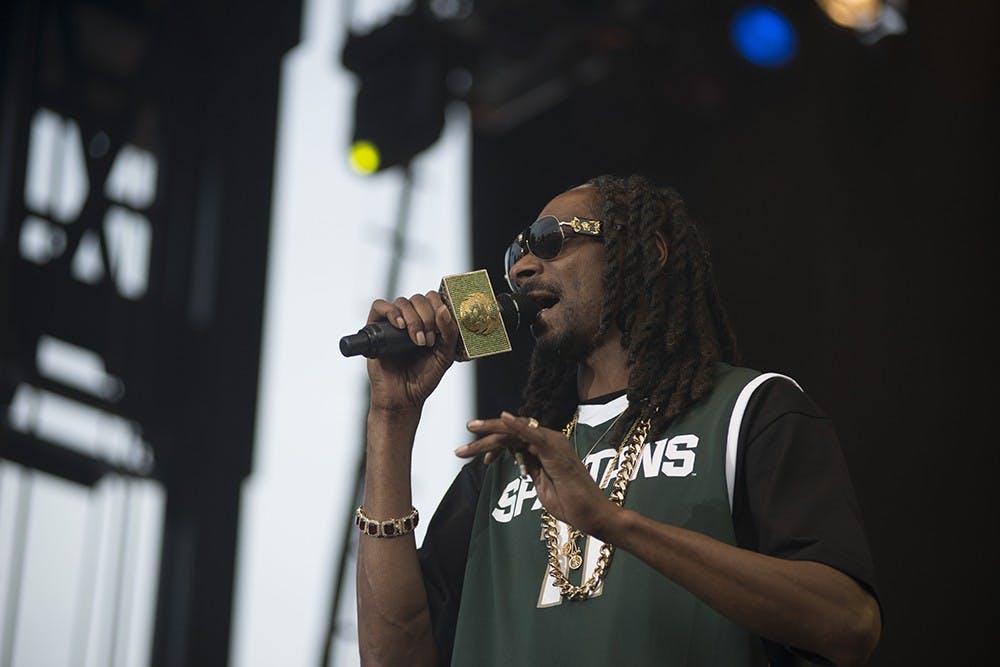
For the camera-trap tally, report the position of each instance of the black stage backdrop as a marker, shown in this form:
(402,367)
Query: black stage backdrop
(849,201)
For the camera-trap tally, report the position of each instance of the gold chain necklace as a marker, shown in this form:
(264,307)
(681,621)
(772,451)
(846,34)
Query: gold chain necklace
(571,548)
(572,428)
(628,454)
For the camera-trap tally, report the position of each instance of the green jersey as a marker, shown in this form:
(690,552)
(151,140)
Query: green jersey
(511,611)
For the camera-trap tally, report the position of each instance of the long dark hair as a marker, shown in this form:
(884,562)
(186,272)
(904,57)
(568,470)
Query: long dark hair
(671,319)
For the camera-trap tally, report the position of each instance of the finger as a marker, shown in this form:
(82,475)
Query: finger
(425,310)
(487,426)
(489,443)
(413,322)
(446,326)
(494,454)
(524,428)
(435,299)
(501,425)
(383,310)
(442,318)
(538,440)
(532,466)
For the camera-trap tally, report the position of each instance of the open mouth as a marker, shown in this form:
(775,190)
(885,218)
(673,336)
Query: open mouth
(544,300)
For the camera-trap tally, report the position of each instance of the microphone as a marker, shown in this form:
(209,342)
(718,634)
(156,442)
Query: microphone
(479,333)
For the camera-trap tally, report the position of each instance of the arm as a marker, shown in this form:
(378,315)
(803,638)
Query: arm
(799,603)
(394,624)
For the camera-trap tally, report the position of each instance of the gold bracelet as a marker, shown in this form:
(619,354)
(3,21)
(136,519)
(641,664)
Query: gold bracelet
(388,528)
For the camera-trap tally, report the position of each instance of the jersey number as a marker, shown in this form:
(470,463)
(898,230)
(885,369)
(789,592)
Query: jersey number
(551,595)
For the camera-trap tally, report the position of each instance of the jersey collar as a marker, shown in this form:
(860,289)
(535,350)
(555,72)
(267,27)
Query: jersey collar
(594,414)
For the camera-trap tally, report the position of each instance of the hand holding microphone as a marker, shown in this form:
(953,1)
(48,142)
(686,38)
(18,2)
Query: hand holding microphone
(464,321)
(485,321)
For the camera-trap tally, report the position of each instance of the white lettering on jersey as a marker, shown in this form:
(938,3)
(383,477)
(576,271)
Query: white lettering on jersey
(649,460)
(524,491)
(512,499)
(671,458)
(595,462)
(504,511)
(677,452)
(680,456)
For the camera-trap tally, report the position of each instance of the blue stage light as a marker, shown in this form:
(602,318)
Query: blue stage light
(763,36)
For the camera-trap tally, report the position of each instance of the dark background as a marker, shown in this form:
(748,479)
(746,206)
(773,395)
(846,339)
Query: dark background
(850,200)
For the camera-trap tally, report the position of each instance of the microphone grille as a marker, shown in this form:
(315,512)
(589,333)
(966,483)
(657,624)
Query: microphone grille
(517,310)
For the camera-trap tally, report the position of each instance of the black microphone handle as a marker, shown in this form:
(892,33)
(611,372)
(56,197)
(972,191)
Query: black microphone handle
(381,339)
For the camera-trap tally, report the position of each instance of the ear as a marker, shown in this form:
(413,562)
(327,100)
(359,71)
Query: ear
(661,246)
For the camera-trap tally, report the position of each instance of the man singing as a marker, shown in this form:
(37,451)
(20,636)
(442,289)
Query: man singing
(653,504)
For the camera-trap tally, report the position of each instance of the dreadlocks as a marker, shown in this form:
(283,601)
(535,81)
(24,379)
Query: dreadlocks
(670,317)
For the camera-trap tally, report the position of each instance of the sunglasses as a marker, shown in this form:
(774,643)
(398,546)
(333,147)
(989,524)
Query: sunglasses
(544,239)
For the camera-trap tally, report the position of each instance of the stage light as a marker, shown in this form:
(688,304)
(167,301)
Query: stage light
(763,36)
(402,67)
(871,20)
(365,157)
(857,14)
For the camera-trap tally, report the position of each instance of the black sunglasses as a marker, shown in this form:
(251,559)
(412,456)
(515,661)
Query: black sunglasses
(544,239)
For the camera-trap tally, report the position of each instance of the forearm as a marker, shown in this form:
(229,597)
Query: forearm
(803,604)
(394,624)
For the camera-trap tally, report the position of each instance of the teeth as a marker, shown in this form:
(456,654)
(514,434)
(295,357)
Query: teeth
(545,302)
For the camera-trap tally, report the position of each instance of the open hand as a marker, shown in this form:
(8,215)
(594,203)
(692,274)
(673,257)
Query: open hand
(563,484)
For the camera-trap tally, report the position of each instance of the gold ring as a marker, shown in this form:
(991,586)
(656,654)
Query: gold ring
(532,422)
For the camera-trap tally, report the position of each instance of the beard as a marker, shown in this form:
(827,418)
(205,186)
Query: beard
(569,342)
(566,346)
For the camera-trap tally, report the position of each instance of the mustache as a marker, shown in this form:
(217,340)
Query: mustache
(539,285)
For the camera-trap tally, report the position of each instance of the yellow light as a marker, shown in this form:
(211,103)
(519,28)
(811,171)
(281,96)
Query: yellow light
(857,14)
(365,157)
